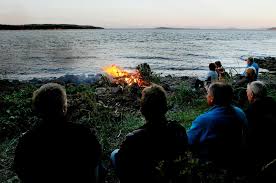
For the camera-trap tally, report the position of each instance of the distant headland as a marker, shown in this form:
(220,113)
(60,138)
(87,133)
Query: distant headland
(272,28)
(46,27)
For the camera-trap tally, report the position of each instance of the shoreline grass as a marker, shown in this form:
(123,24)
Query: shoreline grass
(111,114)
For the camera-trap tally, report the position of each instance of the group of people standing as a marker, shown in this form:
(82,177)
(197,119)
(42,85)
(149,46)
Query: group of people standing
(58,151)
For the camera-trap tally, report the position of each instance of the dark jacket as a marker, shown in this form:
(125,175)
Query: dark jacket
(145,148)
(261,135)
(57,152)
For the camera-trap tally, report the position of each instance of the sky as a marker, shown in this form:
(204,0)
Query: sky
(142,13)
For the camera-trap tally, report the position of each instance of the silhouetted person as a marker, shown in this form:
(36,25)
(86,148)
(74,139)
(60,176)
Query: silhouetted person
(55,150)
(217,134)
(261,115)
(157,140)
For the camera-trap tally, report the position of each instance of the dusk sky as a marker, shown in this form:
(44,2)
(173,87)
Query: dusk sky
(142,13)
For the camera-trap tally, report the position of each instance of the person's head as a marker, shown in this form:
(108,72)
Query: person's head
(255,90)
(250,73)
(212,66)
(218,64)
(50,101)
(153,103)
(249,60)
(219,93)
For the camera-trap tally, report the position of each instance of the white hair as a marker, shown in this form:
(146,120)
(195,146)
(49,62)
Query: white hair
(258,88)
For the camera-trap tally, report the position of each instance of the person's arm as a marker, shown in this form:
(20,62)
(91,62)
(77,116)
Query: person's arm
(21,161)
(96,147)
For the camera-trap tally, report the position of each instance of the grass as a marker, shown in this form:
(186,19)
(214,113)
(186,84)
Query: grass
(111,115)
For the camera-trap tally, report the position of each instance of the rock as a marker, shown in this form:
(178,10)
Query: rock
(268,63)
(117,89)
(101,91)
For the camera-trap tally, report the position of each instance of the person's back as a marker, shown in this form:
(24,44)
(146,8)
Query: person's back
(262,124)
(217,134)
(143,150)
(212,74)
(55,150)
(158,140)
(63,152)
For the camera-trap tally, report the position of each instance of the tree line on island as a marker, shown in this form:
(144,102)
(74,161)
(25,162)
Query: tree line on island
(46,27)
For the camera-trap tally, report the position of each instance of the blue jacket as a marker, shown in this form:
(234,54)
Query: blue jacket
(217,134)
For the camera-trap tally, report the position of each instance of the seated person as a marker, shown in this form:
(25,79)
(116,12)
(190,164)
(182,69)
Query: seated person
(261,125)
(211,77)
(222,75)
(240,87)
(55,150)
(250,75)
(157,140)
(212,74)
(217,134)
(251,63)
(219,68)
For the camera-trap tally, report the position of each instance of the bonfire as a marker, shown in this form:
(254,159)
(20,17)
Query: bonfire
(123,77)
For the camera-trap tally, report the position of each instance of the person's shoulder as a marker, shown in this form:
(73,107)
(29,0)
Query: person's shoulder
(174,124)
(203,119)
(79,130)
(237,109)
(136,134)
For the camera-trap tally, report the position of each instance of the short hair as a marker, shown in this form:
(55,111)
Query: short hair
(258,89)
(49,100)
(222,93)
(212,66)
(250,59)
(218,63)
(250,73)
(153,102)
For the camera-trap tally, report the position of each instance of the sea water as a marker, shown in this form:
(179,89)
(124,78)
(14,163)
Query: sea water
(52,53)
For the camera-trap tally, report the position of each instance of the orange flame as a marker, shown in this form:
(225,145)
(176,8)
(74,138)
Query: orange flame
(122,76)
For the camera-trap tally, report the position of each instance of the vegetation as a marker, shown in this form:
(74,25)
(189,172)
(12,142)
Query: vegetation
(112,111)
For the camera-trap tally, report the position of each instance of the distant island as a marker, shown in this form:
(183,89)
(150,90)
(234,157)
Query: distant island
(272,28)
(46,27)
(177,28)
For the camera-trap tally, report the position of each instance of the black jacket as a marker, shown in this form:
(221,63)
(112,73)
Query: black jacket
(57,152)
(261,136)
(145,148)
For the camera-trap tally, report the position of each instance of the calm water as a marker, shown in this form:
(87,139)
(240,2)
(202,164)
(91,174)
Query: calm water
(28,54)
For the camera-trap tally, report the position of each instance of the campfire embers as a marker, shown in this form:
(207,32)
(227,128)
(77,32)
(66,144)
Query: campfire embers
(122,77)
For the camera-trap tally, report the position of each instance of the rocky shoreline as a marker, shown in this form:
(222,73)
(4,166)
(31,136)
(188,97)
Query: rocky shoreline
(268,63)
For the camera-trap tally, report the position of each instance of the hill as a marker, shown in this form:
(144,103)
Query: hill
(46,27)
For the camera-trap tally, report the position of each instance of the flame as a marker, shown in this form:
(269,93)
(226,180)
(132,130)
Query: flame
(122,76)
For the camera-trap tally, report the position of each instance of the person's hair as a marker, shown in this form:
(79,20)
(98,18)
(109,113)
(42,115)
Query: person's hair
(250,59)
(258,89)
(250,73)
(212,66)
(218,63)
(153,102)
(50,100)
(221,92)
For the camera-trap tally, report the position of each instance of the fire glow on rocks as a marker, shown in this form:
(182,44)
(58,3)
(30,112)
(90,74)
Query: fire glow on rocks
(121,76)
